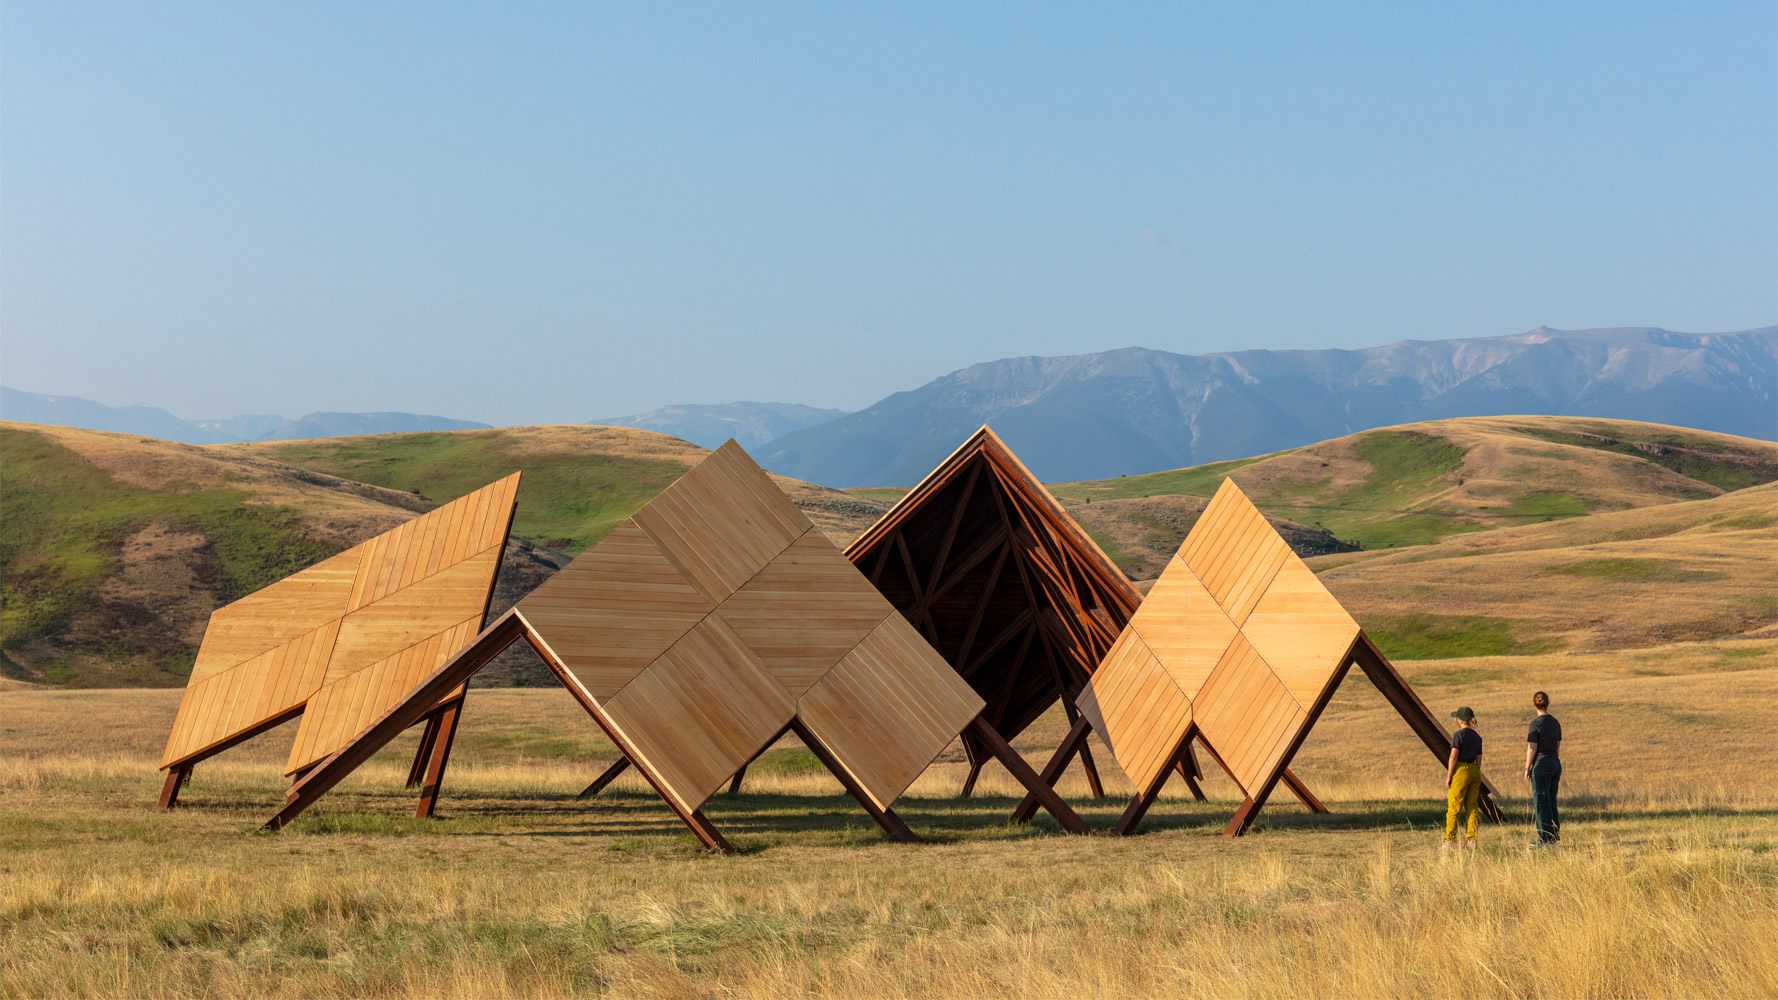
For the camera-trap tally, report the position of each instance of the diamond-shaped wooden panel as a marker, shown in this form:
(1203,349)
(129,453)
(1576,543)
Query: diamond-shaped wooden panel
(1250,636)
(1234,552)
(1138,710)
(722,522)
(889,708)
(1301,631)
(1183,626)
(613,610)
(700,711)
(805,611)
(344,707)
(1247,714)
(269,653)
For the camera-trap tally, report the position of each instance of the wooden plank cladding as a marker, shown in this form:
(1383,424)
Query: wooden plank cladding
(701,626)
(696,633)
(347,637)
(1239,645)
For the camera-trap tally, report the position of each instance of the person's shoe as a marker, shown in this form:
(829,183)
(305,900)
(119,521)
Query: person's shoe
(1540,843)
(1444,848)
(1469,845)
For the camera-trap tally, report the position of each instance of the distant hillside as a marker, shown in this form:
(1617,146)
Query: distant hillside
(1416,483)
(1137,410)
(1701,569)
(151,421)
(709,425)
(115,548)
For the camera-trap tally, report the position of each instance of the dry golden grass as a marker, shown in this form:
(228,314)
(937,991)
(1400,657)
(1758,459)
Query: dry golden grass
(1666,884)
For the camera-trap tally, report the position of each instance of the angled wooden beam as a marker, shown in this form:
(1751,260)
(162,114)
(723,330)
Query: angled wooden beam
(440,756)
(423,754)
(734,785)
(1024,775)
(1144,798)
(1249,810)
(1408,705)
(1015,628)
(458,669)
(1009,685)
(1052,771)
(944,547)
(176,776)
(622,764)
(981,605)
(885,818)
(993,541)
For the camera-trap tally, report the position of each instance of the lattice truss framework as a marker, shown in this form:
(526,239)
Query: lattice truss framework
(1240,645)
(705,624)
(342,641)
(1003,584)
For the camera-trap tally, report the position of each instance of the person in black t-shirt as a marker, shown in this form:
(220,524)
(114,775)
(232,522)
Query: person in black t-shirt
(1463,779)
(1543,768)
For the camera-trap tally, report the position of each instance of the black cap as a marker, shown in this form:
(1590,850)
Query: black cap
(1464,713)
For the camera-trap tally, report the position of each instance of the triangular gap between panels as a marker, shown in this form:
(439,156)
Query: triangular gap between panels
(1362,749)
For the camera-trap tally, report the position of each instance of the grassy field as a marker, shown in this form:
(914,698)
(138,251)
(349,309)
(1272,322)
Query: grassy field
(1666,883)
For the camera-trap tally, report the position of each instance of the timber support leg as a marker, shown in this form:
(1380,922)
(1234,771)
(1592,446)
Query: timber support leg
(429,735)
(175,781)
(734,785)
(885,817)
(1301,791)
(1191,772)
(1044,792)
(975,771)
(602,780)
(1052,771)
(1144,798)
(441,754)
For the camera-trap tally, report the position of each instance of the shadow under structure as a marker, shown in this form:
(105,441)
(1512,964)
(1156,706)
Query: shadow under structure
(706,626)
(1239,646)
(340,642)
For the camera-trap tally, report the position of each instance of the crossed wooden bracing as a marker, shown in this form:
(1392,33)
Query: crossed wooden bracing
(1239,645)
(1002,583)
(705,627)
(342,641)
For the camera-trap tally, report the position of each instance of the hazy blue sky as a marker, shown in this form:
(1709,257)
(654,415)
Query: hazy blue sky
(525,213)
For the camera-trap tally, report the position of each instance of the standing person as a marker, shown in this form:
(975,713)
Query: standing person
(1463,779)
(1543,768)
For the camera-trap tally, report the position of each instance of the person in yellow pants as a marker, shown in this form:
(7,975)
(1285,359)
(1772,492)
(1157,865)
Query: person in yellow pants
(1463,779)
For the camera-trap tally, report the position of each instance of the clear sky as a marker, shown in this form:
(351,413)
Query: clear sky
(525,213)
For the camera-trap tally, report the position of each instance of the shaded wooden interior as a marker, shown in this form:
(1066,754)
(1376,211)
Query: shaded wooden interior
(1002,583)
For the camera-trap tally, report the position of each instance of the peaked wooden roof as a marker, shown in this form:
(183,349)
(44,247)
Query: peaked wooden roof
(1000,580)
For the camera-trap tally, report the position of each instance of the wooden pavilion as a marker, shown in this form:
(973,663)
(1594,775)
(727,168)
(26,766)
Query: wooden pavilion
(340,642)
(704,628)
(1240,646)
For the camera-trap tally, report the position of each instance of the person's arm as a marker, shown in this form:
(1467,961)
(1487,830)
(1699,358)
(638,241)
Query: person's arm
(1451,767)
(1530,755)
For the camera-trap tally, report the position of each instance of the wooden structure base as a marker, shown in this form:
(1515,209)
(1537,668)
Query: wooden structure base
(512,626)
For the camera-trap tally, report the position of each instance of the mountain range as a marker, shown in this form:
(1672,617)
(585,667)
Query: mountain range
(152,421)
(708,425)
(1135,410)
